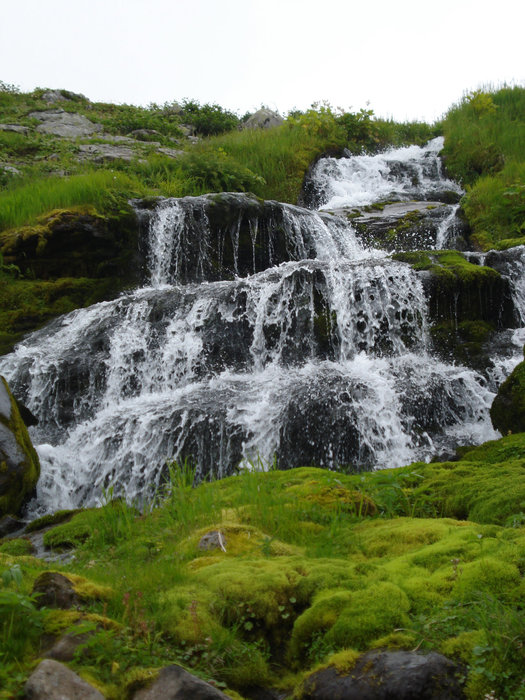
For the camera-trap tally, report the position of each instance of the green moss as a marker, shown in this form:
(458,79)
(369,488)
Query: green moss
(55,518)
(508,409)
(16,486)
(16,547)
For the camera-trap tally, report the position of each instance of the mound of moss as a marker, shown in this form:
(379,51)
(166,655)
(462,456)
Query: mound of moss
(262,578)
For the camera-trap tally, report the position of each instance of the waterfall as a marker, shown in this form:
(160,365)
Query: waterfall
(264,331)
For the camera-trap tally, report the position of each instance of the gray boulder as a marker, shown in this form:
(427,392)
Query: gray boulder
(54,96)
(174,683)
(9,169)
(385,675)
(105,152)
(19,464)
(263,119)
(68,125)
(16,128)
(54,681)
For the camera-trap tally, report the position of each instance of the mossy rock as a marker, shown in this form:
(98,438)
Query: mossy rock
(77,242)
(508,408)
(19,463)
(458,290)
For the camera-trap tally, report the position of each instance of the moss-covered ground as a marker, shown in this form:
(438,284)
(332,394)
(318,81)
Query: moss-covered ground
(297,569)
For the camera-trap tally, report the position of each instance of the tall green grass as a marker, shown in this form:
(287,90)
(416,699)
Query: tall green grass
(484,132)
(102,189)
(485,149)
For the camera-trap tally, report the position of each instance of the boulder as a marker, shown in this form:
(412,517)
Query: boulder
(383,675)
(54,96)
(174,683)
(16,128)
(508,408)
(68,125)
(263,119)
(54,591)
(54,681)
(19,464)
(105,152)
(9,169)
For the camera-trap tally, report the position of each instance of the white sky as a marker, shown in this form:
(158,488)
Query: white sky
(409,59)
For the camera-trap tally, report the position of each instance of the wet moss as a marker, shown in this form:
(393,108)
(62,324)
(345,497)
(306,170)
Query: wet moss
(508,408)
(17,484)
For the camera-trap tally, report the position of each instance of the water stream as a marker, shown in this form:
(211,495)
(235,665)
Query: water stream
(264,331)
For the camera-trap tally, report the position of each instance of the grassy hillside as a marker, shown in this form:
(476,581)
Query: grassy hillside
(485,149)
(312,568)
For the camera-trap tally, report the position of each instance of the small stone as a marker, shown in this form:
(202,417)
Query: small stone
(213,540)
(54,681)
(174,683)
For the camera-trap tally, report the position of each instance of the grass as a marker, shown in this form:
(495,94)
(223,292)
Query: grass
(102,189)
(314,566)
(485,149)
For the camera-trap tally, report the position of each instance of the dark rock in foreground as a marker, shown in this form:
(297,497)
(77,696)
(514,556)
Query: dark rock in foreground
(389,675)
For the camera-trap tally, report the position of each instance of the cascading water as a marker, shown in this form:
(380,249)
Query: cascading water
(265,331)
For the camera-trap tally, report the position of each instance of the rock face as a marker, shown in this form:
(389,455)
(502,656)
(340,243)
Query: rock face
(65,124)
(54,681)
(174,683)
(402,675)
(19,465)
(263,119)
(76,243)
(508,408)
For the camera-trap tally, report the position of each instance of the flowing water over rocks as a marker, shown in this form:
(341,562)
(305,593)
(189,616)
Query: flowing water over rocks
(263,331)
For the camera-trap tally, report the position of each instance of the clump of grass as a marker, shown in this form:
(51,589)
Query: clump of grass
(103,189)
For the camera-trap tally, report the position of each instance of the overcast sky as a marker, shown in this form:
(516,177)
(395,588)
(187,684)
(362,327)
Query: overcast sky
(409,59)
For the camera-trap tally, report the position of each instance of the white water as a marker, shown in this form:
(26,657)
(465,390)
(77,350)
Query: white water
(322,358)
(399,174)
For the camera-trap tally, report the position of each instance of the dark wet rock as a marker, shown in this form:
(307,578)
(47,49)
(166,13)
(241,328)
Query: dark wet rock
(10,524)
(69,125)
(174,683)
(70,243)
(55,591)
(389,675)
(508,408)
(54,681)
(19,463)
(408,225)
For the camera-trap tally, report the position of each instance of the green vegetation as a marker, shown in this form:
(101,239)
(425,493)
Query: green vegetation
(305,567)
(485,149)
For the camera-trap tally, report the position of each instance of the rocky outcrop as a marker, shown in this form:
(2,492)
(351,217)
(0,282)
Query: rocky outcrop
(263,119)
(409,225)
(54,681)
(78,242)
(383,675)
(174,683)
(508,408)
(16,128)
(19,464)
(68,125)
